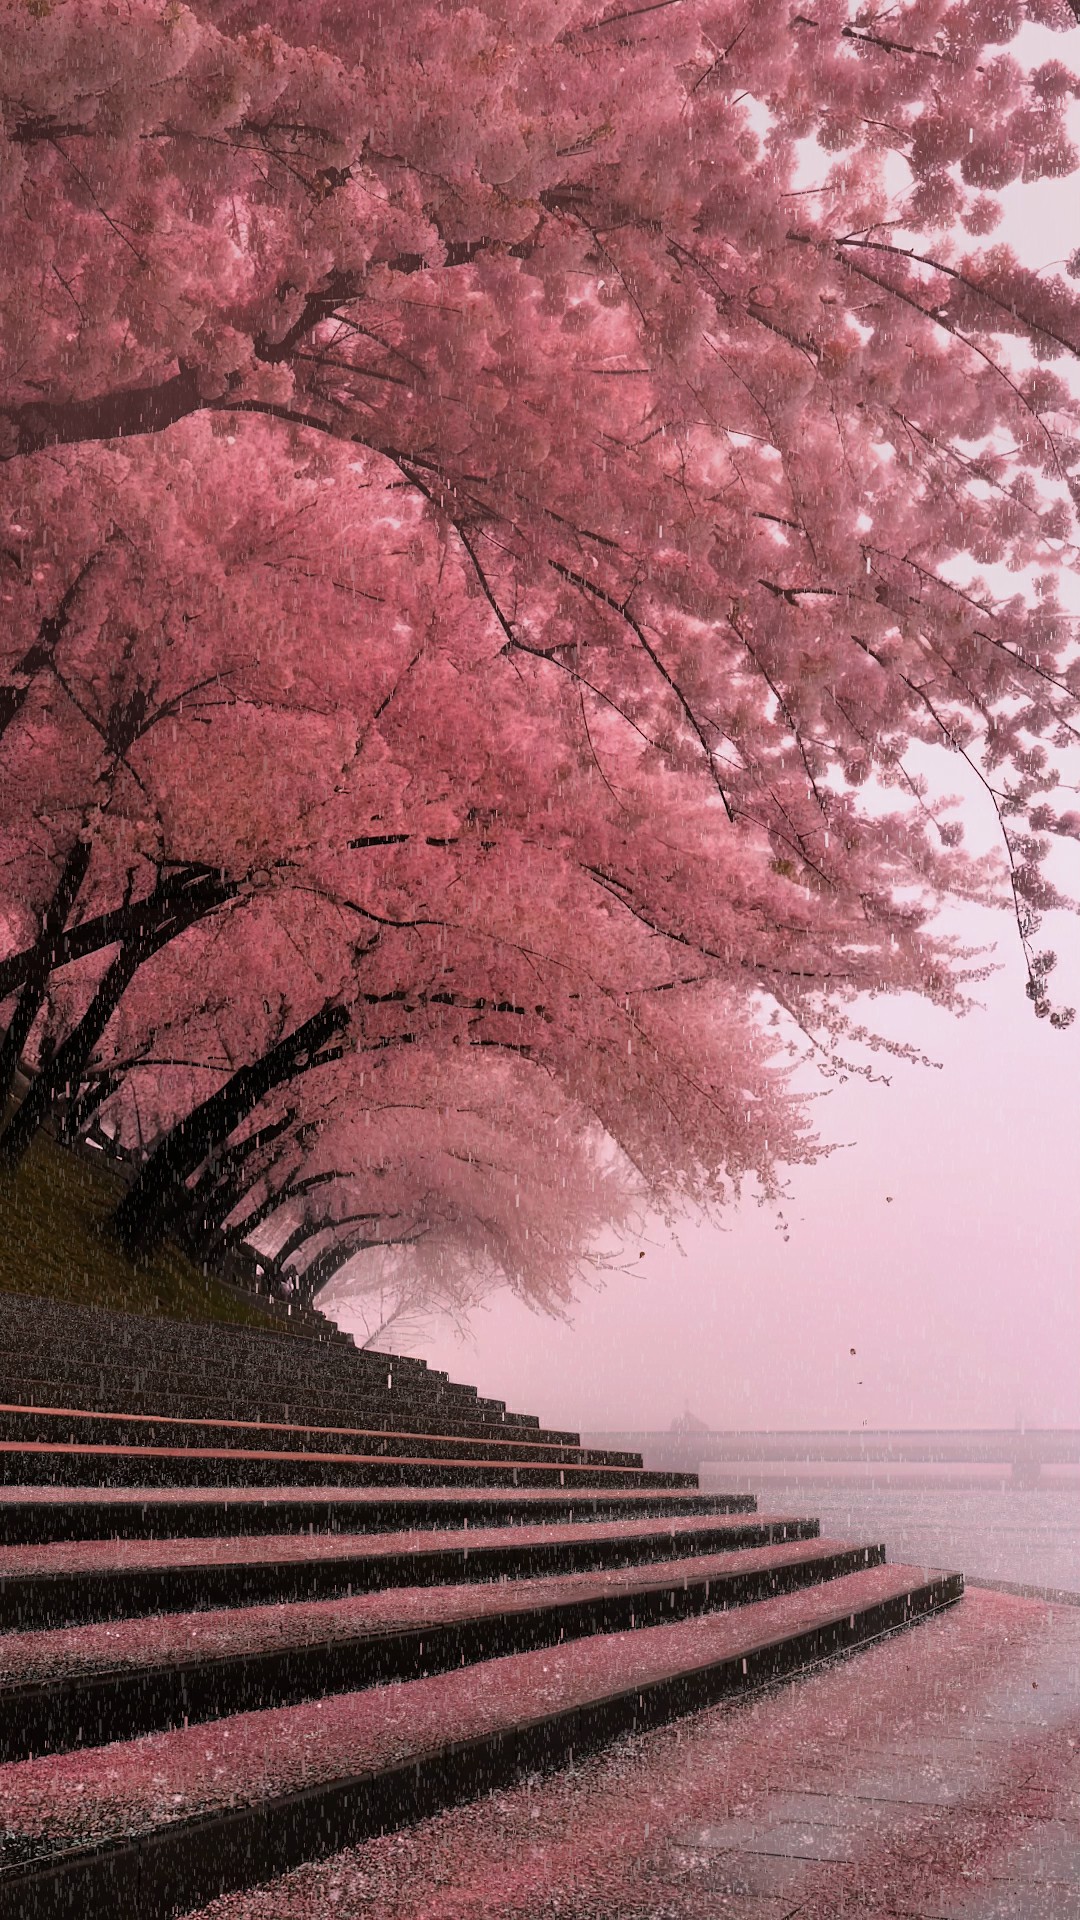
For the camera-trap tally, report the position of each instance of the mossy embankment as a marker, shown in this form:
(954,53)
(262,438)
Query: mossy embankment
(54,1242)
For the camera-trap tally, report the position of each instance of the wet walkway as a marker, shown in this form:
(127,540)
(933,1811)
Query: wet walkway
(934,1777)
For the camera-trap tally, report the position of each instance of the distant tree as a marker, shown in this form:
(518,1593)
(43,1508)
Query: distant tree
(488,546)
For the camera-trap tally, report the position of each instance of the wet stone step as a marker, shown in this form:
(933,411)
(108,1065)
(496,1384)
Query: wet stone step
(23,1318)
(33,1393)
(110,1374)
(31,1514)
(168,1356)
(216,1341)
(74,1582)
(171,1819)
(90,1685)
(39,1321)
(63,1464)
(75,1426)
(134,1333)
(79,1379)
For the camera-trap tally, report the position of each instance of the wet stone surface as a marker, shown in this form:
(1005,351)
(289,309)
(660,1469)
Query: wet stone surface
(936,1777)
(75,1556)
(73,1800)
(161,1638)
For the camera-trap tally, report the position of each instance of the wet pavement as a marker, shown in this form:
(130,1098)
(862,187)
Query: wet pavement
(68,1801)
(935,1777)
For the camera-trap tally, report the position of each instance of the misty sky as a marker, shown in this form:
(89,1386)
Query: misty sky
(959,1295)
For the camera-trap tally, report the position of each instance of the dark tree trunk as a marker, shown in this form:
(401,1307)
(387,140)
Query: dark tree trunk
(297,1239)
(193,890)
(35,985)
(146,1210)
(226,1180)
(334,1257)
(234,1158)
(312,1229)
(49,635)
(109,416)
(324,1266)
(127,411)
(79,1112)
(292,1190)
(60,1078)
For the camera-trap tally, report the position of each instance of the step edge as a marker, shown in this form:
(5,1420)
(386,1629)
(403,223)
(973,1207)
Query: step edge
(509,1752)
(733,1589)
(93,1584)
(279,1426)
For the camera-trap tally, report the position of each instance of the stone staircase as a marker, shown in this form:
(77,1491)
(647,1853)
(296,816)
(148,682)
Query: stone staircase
(264,1595)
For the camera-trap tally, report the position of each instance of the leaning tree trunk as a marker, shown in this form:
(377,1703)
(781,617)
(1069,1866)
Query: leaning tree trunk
(324,1266)
(298,1238)
(219,1190)
(191,892)
(147,1209)
(314,1229)
(36,983)
(78,1115)
(61,1077)
(292,1190)
(40,654)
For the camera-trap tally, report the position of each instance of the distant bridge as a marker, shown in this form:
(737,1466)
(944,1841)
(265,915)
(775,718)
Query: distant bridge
(1024,1452)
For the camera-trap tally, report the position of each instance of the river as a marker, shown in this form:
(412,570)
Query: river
(1022,1538)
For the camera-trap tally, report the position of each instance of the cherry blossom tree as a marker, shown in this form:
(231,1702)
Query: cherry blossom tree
(497,509)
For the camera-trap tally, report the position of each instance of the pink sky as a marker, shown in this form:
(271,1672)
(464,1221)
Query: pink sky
(960,1294)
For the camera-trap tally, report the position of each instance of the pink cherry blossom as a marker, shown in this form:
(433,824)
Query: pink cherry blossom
(478,541)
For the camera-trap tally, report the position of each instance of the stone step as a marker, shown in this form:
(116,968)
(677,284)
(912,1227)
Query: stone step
(169,1820)
(73,1582)
(40,1323)
(289,1315)
(169,1363)
(122,1388)
(37,1515)
(24,1318)
(75,1425)
(87,1686)
(33,1462)
(171,1374)
(30,1393)
(39,1317)
(135,1336)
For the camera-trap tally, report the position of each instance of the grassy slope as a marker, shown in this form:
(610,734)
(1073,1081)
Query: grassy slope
(52,1211)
